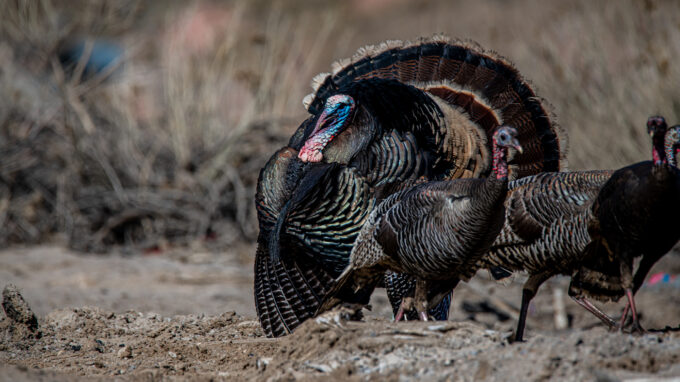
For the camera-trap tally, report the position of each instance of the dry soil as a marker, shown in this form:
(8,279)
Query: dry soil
(189,315)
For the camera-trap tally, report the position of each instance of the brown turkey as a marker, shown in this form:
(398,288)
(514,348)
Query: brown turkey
(392,116)
(435,232)
(633,216)
(545,231)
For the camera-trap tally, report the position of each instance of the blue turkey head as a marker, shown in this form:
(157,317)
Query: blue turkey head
(335,116)
(506,136)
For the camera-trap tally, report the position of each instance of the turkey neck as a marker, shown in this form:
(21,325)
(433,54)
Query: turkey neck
(496,184)
(658,150)
(671,150)
(500,164)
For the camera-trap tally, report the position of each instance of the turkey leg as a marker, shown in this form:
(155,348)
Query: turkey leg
(406,305)
(643,269)
(421,299)
(627,281)
(587,305)
(528,292)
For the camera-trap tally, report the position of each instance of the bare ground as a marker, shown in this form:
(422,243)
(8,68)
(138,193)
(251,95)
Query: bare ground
(189,315)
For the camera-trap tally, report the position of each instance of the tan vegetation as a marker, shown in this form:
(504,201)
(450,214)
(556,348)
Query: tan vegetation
(164,146)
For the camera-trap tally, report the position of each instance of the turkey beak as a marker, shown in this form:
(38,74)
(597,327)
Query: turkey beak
(650,132)
(323,121)
(515,144)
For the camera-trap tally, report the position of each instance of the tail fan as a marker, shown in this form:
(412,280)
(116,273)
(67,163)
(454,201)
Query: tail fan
(484,85)
(287,294)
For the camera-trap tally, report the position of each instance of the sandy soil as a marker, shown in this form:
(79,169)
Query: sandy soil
(189,315)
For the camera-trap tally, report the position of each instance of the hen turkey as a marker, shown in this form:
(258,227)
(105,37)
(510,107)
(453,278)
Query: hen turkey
(435,232)
(633,216)
(545,231)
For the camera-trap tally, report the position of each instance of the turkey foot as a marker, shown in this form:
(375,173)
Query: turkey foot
(597,312)
(419,303)
(627,278)
(407,304)
(636,328)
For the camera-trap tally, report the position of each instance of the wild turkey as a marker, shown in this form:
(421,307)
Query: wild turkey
(545,230)
(436,232)
(632,217)
(390,117)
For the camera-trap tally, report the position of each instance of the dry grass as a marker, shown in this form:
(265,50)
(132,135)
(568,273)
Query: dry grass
(164,147)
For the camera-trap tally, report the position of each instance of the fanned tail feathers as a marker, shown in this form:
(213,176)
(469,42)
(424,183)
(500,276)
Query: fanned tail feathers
(287,294)
(485,86)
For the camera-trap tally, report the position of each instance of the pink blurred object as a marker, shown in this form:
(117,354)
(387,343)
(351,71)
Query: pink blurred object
(661,278)
(198,28)
(373,6)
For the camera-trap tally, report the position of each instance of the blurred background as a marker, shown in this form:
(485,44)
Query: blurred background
(143,125)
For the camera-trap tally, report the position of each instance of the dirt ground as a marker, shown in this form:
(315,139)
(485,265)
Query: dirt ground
(189,315)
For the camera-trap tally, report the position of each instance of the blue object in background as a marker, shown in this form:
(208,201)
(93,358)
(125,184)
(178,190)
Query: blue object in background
(102,56)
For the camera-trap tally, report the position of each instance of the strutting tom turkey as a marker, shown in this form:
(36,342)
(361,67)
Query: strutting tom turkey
(435,232)
(392,116)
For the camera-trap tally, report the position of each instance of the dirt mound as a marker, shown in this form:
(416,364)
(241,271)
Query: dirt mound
(437,351)
(92,342)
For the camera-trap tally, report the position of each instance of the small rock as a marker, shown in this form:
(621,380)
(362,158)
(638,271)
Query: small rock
(261,363)
(319,367)
(125,352)
(99,346)
(18,310)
